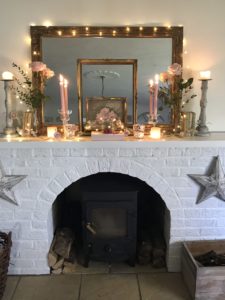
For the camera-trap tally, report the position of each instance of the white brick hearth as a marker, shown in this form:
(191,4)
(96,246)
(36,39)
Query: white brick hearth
(53,166)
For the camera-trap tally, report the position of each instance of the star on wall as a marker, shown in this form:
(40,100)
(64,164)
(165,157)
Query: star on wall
(213,185)
(7,182)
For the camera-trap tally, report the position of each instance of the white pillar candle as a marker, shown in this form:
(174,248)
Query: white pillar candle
(7,75)
(51,130)
(205,75)
(155,133)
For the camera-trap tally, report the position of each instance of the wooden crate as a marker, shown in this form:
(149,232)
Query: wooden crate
(203,283)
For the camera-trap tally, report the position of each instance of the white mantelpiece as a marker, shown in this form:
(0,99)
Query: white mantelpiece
(52,166)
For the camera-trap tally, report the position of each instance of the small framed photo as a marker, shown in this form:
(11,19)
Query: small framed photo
(106,108)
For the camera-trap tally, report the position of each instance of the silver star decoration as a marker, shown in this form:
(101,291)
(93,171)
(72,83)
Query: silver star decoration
(7,182)
(213,185)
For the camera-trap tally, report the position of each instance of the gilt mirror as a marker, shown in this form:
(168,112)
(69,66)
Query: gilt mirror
(64,48)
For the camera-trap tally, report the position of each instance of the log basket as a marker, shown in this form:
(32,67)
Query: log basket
(5,246)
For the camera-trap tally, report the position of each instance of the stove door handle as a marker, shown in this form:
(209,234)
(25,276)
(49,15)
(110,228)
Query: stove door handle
(90,228)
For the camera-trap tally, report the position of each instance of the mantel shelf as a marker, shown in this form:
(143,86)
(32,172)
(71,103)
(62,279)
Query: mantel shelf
(214,139)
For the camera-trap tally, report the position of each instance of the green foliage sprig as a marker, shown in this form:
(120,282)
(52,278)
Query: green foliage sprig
(31,95)
(175,91)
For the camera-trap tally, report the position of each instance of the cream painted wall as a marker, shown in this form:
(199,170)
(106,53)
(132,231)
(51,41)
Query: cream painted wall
(203,21)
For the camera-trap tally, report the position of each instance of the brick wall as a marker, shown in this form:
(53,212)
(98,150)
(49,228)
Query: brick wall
(51,167)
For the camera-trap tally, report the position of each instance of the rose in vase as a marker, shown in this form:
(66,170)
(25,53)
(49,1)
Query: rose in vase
(175,91)
(32,93)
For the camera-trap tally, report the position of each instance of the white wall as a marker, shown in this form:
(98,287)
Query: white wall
(203,21)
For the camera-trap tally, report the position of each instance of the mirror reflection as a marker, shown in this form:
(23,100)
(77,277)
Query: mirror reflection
(153,56)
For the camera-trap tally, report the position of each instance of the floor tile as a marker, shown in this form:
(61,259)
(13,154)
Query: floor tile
(99,267)
(121,268)
(61,287)
(162,286)
(109,287)
(11,284)
(95,267)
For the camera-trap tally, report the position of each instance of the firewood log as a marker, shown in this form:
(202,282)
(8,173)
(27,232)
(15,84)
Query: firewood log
(63,242)
(57,272)
(144,253)
(52,258)
(58,264)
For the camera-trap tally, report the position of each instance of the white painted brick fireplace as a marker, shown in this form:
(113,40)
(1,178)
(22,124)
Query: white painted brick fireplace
(53,166)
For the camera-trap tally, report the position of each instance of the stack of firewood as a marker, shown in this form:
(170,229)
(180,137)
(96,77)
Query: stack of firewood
(152,249)
(61,256)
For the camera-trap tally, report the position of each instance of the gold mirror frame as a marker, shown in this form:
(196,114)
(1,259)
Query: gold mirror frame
(174,32)
(81,62)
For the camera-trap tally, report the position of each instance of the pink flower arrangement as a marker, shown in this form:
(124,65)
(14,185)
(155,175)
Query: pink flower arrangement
(164,76)
(31,91)
(40,67)
(175,91)
(175,69)
(106,115)
(37,66)
(48,73)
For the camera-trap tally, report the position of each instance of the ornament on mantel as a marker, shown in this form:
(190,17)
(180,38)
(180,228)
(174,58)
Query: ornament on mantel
(7,182)
(213,185)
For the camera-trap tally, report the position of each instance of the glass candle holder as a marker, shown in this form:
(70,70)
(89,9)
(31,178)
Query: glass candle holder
(139,131)
(70,130)
(65,117)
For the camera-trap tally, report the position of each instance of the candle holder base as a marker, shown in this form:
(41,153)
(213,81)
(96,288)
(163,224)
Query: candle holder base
(65,117)
(202,131)
(9,132)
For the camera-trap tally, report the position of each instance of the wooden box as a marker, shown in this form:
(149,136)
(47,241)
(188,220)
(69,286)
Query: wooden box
(203,283)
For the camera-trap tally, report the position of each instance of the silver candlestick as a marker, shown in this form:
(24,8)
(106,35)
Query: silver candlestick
(202,129)
(9,130)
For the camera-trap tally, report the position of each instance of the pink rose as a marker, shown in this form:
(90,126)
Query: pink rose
(37,66)
(164,76)
(175,69)
(48,73)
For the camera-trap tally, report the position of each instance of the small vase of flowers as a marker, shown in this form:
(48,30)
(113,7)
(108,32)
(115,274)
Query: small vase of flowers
(31,90)
(175,92)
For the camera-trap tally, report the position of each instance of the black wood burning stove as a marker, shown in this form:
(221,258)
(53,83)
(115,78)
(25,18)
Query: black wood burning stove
(109,226)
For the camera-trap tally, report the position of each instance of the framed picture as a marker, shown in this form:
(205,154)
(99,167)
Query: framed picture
(106,107)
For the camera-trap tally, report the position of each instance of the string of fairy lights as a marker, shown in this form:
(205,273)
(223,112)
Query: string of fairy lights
(98,32)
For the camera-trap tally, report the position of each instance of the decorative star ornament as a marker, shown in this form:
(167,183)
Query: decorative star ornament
(7,182)
(213,185)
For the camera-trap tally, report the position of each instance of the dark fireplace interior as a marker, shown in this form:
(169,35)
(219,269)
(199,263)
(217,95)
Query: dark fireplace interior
(111,217)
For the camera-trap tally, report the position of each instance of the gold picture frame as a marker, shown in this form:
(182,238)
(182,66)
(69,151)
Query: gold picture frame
(116,105)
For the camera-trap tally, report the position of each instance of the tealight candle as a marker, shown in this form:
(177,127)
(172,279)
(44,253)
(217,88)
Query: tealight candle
(7,75)
(205,75)
(155,133)
(51,131)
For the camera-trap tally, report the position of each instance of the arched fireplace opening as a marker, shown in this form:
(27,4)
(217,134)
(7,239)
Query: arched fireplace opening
(110,217)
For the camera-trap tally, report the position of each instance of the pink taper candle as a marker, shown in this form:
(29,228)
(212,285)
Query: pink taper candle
(151,103)
(66,94)
(62,96)
(156,89)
